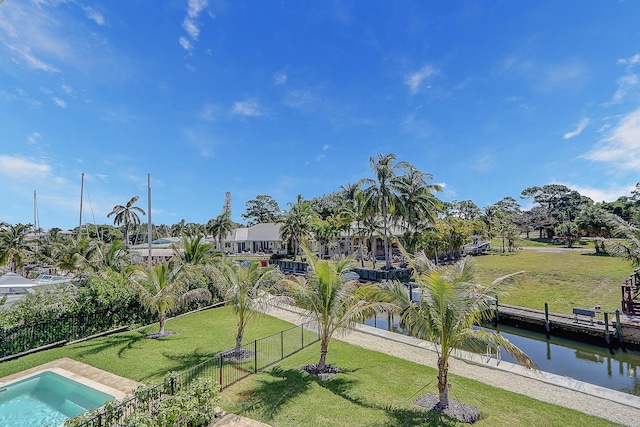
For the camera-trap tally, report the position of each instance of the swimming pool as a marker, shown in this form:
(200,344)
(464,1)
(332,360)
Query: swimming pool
(46,400)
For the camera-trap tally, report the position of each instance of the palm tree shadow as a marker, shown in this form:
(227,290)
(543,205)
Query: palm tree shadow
(270,395)
(402,416)
(122,342)
(409,417)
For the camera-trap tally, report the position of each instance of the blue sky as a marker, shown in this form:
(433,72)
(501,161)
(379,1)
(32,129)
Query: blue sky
(293,97)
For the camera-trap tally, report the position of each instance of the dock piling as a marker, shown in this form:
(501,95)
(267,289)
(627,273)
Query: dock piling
(546,317)
(618,326)
(606,328)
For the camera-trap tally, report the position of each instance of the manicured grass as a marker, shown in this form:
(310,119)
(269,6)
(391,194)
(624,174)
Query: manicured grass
(131,355)
(378,390)
(564,279)
(374,390)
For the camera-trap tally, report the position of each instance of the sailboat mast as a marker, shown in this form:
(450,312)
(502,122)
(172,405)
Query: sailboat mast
(149,218)
(36,220)
(81,193)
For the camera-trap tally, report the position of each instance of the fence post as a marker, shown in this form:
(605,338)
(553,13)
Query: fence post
(302,329)
(220,369)
(172,383)
(281,344)
(255,356)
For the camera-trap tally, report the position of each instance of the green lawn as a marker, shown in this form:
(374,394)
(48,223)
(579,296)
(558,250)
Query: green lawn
(131,355)
(374,390)
(378,390)
(564,279)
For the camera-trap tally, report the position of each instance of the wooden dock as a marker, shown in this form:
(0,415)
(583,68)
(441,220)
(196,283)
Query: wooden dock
(608,329)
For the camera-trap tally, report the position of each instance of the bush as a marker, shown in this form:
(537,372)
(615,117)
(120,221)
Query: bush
(192,406)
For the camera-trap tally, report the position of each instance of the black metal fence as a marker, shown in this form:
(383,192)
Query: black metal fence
(225,368)
(29,336)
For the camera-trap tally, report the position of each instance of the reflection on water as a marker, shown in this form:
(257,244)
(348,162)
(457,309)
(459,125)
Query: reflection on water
(615,369)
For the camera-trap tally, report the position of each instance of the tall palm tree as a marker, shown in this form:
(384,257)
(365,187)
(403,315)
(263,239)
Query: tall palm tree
(382,192)
(220,227)
(161,288)
(297,224)
(14,251)
(244,288)
(331,301)
(450,306)
(127,215)
(419,205)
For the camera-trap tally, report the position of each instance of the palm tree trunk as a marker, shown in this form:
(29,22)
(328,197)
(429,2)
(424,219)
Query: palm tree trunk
(324,348)
(386,242)
(163,319)
(443,386)
(239,336)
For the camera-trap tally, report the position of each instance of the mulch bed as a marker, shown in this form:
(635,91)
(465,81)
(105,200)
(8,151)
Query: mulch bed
(328,372)
(458,410)
(157,335)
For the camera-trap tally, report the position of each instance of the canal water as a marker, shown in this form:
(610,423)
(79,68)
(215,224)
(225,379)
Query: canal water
(614,369)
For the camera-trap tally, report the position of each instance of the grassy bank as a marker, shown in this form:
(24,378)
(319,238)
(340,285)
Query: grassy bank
(374,389)
(563,278)
(378,390)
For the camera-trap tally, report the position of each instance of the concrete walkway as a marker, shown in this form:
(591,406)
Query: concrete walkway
(588,398)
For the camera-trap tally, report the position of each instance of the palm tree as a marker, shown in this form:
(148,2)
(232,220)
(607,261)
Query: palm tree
(331,301)
(297,224)
(220,227)
(126,215)
(78,255)
(628,249)
(244,288)
(195,251)
(161,289)
(14,251)
(115,256)
(419,205)
(450,306)
(382,192)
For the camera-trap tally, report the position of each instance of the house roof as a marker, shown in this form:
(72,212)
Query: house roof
(265,232)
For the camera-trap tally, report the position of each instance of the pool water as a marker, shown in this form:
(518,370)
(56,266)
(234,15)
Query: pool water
(46,400)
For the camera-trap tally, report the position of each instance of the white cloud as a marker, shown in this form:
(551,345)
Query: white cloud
(210,112)
(325,147)
(93,14)
(33,138)
(191,25)
(626,84)
(610,194)
(246,108)
(299,99)
(319,157)
(632,60)
(629,81)
(621,146)
(415,80)
(18,167)
(185,43)
(280,78)
(60,102)
(583,124)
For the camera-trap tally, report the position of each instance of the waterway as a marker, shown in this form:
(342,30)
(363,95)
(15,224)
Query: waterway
(614,369)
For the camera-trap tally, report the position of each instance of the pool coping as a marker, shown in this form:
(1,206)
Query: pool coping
(98,379)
